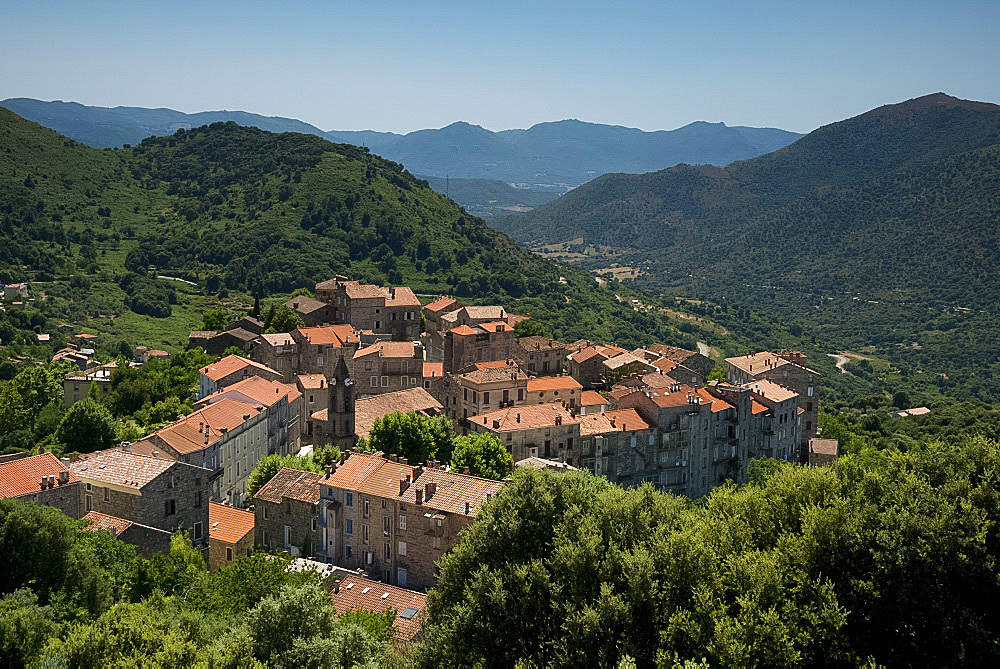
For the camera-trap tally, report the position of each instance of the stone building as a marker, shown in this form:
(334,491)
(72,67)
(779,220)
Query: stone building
(165,494)
(549,431)
(387,311)
(320,349)
(326,291)
(315,400)
(788,369)
(545,390)
(465,345)
(278,352)
(41,479)
(76,384)
(388,366)
(227,371)
(585,362)
(413,400)
(619,445)
(484,389)
(540,356)
(147,540)
(823,452)
(435,310)
(776,432)
(285,513)
(313,312)
(216,343)
(230,534)
(353,592)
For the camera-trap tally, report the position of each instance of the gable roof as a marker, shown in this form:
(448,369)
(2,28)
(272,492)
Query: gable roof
(490,312)
(433,370)
(228,524)
(305,305)
(117,467)
(24,475)
(512,419)
(494,373)
(253,390)
(102,521)
(543,383)
(323,335)
(291,484)
(311,381)
(441,304)
(401,296)
(537,343)
(623,420)
(355,593)
(368,409)
(188,434)
(717,403)
(391,349)
(769,390)
(278,339)
(232,364)
(589,398)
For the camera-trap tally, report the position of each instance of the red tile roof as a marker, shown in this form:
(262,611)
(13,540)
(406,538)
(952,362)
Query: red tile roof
(401,296)
(117,467)
(433,370)
(188,434)
(771,391)
(623,420)
(232,364)
(717,403)
(391,349)
(757,407)
(358,593)
(525,417)
(323,335)
(543,383)
(463,330)
(291,484)
(311,381)
(305,305)
(368,409)
(591,398)
(24,475)
(440,304)
(254,390)
(228,524)
(102,521)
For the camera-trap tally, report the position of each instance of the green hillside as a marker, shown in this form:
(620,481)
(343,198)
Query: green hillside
(877,234)
(243,212)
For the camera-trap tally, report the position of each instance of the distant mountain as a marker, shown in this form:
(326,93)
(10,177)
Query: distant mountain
(489,198)
(876,230)
(546,157)
(102,127)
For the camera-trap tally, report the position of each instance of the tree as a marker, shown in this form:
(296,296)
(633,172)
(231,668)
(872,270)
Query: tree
(405,434)
(302,291)
(256,306)
(37,388)
(284,320)
(172,574)
(214,319)
(901,400)
(86,427)
(484,455)
(25,627)
(531,328)
(269,465)
(234,350)
(13,413)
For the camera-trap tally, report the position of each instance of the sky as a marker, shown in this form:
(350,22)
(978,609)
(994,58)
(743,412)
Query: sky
(402,66)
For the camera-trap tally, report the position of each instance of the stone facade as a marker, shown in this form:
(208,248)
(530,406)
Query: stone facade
(388,366)
(394,312)
(466,345)
(540,356)
(279,352)
(65,497)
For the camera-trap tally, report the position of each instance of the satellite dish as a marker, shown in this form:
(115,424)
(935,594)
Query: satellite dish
(333,381)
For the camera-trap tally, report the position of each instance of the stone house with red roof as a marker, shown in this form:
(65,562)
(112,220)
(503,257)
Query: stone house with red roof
(277,351)
(787,369)
(230,534)
(147,540)
(357,593)
(548,431)
(465,345)
(540,356)
(227,371)
(388,366)
(390,311)
(320,349)
(41,479)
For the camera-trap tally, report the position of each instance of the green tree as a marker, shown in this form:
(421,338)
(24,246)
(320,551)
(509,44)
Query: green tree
(269,465)
(484,455)
(302,291)
(25,627)
(37,388)
(13,413)
(214,320)
(236,588)
(284,320)
(175,573)
(405,434)
(901,399)
(234,350)
(531,328)
(86,427)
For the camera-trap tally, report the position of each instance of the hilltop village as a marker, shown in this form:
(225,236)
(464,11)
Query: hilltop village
(648,415)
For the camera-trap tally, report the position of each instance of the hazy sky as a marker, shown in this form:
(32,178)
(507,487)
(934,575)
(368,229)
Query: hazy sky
(403,66)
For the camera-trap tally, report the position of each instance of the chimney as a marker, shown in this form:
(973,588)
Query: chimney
(431,488)
(404,483)
(416,472)
(419,495)
(465,469)
(63,477)
(327,472)
(52,480)
(613,422)
(201,426)
(468,507)
(558,419)
(518,417)
(333,468)
(45,481)
(404,461)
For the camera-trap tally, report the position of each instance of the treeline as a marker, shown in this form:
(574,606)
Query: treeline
(890,558)
(78,598)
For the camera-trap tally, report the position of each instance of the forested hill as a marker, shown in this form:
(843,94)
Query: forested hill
(243,209)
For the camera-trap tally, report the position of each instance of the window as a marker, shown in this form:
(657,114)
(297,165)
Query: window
(169,507)
(89,487)
(229,554)
(311,399)
(809,391)
(349,499)
(386,525)
(364,533)
(402,522)
(350,527)
(387,552)
(366,506)
(265,537)
(348,552)
(265,513)
(437,543)
(319,360)
(197,498)
(172,482)
(107,494)
(288,536)
(520,394)
(385,381)
(197,531)
(90,502)
(383,503)
(401,576)
(374,382)
(314,524)
(486,397)
(401,549)
(465,396)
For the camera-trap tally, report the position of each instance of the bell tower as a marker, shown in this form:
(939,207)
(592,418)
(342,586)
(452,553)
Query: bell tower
(341,411)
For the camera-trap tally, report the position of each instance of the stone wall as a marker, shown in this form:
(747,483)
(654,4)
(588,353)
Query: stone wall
(66,498)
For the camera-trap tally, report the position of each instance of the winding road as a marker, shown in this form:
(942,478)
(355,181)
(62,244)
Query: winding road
(841,361)
(703,348)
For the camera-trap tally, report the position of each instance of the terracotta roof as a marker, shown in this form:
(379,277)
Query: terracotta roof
(493,363)
(367,410)
(623,359)
(662,397)
(462,330)
(311,381)
(717,403)
(440,304)
(623,420)
(328,284)
(359,593)
(586,354)
(278,339)
(363,290)
(232,364)
(433,369)
(664,365)
(117,467)
(254,390)
(543,383)
(305,305)
(355,470)
(589,398)
(228,524)
(24,475)
(291,484)
(391,349)
(757,407)
(322,415)
(85,335)
(102,521)
(497,326)
(149,449)
(671,352)
(187,435)
(336,335)
(770,390)
(657,380)
(525,417)
(453,490)
(401,297)
(495,374)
